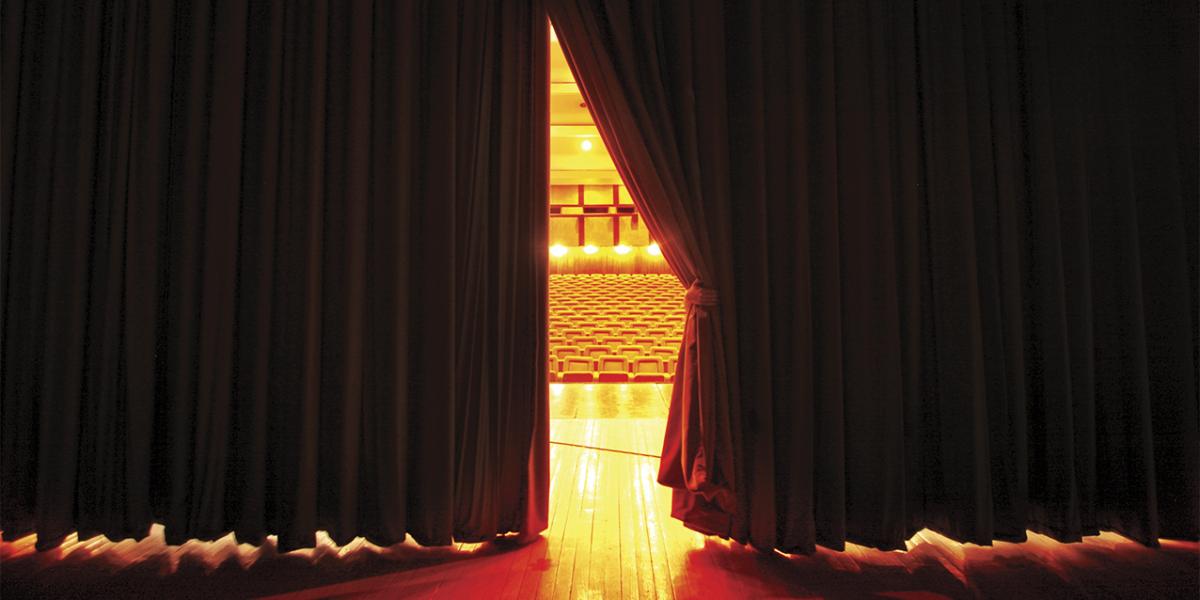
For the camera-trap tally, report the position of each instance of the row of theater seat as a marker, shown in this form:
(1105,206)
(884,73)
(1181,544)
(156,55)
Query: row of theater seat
(614,328)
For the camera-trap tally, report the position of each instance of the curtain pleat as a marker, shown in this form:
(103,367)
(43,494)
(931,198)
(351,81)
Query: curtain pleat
(271,268)
(962,241)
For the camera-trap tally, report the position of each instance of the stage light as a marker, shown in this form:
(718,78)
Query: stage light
(558,250)
(621,249)
(586,145)
(653,249)
(590,249)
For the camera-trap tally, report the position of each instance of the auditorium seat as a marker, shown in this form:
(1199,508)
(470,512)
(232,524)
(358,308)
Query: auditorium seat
(613,369)
(649,369)
(624,317)
(578,369)
(645,342)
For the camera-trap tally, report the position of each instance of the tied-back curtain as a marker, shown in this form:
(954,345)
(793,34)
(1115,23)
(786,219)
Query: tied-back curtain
(955,251)
(666,128)
(273,267)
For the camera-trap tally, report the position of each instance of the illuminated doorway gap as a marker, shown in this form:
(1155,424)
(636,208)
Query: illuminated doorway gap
(616,312)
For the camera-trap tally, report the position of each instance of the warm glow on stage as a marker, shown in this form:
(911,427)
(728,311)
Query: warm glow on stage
(368,299)
(610,536)
(640,552)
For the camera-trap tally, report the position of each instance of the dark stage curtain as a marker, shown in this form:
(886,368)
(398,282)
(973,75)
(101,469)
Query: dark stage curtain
(954,250)
(274,267)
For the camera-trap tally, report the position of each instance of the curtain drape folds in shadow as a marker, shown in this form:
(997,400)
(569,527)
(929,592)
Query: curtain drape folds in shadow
(274,267)
(955,247)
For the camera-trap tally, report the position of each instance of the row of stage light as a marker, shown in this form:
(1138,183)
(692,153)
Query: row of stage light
(559,250)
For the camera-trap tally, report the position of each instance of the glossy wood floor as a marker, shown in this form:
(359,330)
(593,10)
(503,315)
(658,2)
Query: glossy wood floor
(610,536)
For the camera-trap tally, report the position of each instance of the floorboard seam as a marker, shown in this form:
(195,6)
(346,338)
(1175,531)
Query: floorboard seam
(631,453)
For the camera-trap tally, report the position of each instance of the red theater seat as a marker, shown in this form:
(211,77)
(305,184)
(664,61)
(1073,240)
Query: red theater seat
(613,369)
(578,369)
(647,369)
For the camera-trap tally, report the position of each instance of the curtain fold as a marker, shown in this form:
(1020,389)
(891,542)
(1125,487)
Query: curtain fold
(271,268)
(955,252)
(665,127)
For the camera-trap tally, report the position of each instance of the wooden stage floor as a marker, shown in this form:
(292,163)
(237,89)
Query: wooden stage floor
(610,536)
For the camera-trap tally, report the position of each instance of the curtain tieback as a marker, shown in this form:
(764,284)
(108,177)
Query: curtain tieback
(698,295)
